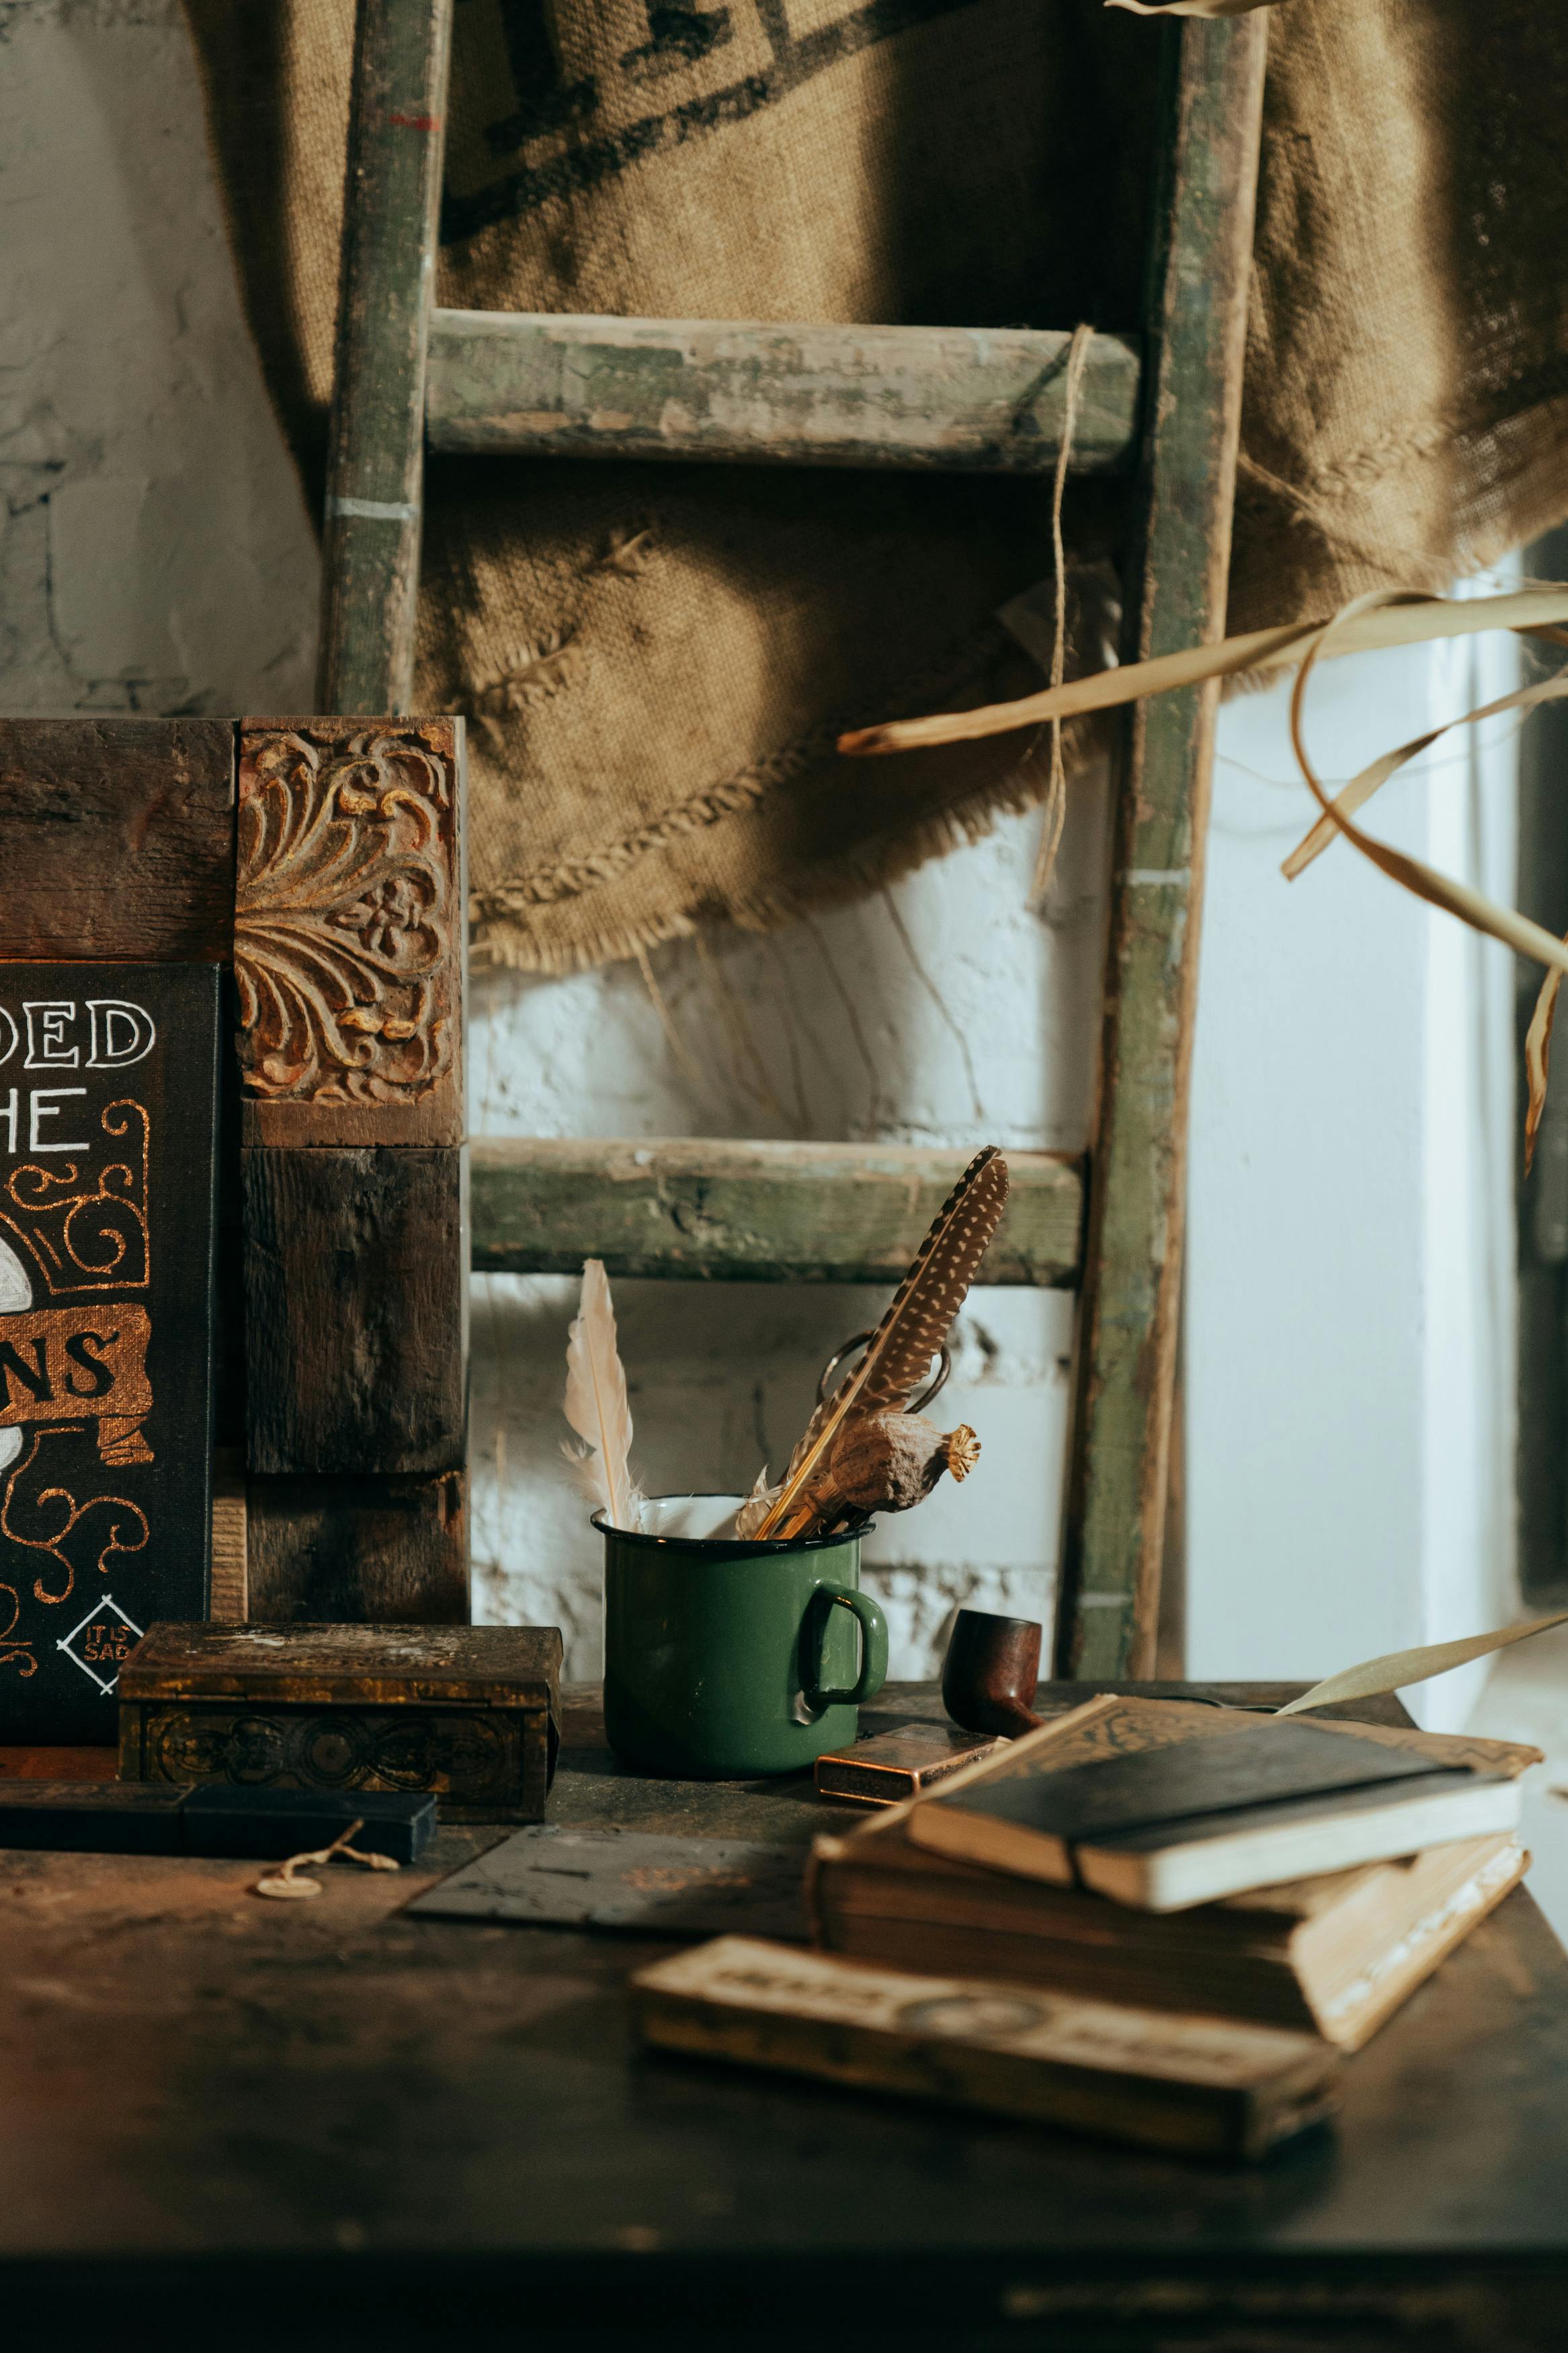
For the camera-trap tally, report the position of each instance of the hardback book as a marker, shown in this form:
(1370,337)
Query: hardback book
(108,1164)
(1161,1804)
(1334,1956)
(1202,2086)
(890,1766)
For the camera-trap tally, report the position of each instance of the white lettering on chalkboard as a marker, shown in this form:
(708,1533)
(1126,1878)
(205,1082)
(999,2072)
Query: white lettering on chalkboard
(121,1033)
(48,1046)
(44,1103)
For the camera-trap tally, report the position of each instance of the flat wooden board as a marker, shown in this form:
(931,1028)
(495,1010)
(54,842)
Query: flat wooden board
(923,399)
(630,1882)
(356,1304)
(723,1211)
(117,839)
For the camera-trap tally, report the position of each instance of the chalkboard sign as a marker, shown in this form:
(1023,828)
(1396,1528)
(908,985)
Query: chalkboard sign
(108,1163)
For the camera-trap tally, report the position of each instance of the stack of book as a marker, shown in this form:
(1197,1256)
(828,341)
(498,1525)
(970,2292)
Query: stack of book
(1181,1857)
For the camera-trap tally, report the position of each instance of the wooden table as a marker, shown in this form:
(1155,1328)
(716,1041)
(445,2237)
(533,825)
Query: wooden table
(229,2123)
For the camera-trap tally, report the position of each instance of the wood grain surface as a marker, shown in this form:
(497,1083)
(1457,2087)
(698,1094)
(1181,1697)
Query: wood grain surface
(1109,1593)
(117,839)
(336,2122)
(356,1311)
(720,1210)
(348,1549)
(936,399)
(369,548)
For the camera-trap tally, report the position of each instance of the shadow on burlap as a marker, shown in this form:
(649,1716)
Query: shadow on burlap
(655,659)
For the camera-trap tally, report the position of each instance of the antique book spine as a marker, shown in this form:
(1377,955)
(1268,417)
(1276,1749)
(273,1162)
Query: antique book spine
(1196,2086)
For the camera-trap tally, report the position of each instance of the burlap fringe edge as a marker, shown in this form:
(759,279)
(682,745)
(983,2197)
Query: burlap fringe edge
(502,943)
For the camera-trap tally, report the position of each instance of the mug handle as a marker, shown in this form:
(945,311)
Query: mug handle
(873,1647)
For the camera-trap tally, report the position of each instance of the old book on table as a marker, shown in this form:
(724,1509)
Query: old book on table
(1163,1804)
(108,1160)
(1333,1956)
(890,1766)
(1196,2086)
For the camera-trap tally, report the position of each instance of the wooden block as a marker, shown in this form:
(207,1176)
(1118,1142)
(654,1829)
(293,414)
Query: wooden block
(356,1311)
(350,930)
(717,1211)
(930,400)
(891,1767)
(117,839)
(228,1601)
(389,1551)
(470,1713)
(1203,2087)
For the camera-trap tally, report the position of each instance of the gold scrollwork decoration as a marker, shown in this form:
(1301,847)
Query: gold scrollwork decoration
(344,917)
(56,1516)
(87,1234)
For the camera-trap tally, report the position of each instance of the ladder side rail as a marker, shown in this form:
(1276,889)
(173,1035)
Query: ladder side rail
(370,552)
(1108,1592)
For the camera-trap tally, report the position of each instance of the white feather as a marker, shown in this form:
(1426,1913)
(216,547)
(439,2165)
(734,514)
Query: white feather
(756,1507)
(596,1403)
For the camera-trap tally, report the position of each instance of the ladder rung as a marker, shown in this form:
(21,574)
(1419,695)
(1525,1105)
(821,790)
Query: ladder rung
(951,399)
(754,1212)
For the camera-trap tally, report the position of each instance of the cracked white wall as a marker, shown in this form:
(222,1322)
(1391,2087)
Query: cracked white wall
(155,553)
(156,556)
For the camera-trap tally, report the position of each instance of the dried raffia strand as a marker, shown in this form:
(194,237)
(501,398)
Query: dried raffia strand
(1192,7)
(1056,796)
(285,1885)
(1388,617)
(1418,621)
(1395,1669)
(1538,1060)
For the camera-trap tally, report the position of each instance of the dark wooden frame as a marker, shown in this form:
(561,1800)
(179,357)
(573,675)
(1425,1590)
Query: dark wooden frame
(322,861)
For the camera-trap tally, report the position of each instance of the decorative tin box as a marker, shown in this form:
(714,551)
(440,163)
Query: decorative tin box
(471,1713)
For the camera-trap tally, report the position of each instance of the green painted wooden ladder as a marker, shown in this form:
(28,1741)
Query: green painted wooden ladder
(1164,404)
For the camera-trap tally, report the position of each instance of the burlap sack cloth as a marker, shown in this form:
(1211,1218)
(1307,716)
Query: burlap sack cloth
(657,659)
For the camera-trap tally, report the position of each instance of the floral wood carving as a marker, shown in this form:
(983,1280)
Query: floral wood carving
(344,917)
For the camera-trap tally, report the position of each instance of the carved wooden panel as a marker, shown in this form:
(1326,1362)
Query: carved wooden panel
(349,931)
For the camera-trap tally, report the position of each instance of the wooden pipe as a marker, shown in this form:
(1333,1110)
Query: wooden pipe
(989,1675)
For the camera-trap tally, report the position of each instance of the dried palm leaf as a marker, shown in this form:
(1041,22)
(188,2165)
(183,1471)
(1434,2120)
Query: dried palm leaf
(1397,1669)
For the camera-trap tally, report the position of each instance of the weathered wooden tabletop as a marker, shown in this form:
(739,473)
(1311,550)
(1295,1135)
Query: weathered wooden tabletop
(258,2124)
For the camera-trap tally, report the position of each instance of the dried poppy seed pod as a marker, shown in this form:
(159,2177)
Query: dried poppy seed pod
(886,1462)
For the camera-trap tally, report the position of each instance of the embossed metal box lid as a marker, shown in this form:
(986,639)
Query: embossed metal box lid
(468,1712)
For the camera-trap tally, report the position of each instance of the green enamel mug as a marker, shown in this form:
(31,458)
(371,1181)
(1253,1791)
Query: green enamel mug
(726,1659)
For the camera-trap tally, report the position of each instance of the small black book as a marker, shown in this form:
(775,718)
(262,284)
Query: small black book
(1166,1827)
(181,1817)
